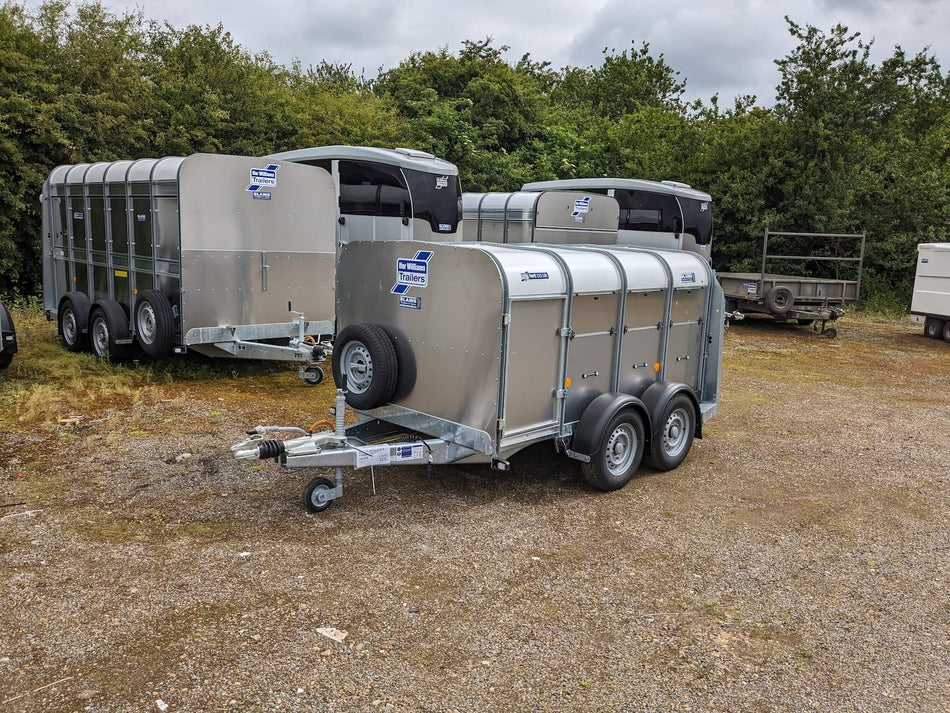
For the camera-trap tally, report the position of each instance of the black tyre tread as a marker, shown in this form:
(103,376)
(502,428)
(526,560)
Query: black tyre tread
(164,323)
(79,305)
(657,457)
(596,472)
(385,365)
(117,325)
(933,327)
(308,495)
(779,300)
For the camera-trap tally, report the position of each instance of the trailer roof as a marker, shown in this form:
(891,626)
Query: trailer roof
(938,247)
(630,184)
(404,158)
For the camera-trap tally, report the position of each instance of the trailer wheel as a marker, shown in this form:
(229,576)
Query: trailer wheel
(72,318)
(365,360)
(618,456)
(108,323)
(933,327)
(670,446)
(779,300)
(313,375)
(7,330)
(946,332)
(830,333)
(314,497)
(154,323)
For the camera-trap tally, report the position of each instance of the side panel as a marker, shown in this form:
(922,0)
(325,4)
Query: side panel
(640,345)
(591,351)
(248,257)
(453,324)
(932,283)
(533,351)
(683,361)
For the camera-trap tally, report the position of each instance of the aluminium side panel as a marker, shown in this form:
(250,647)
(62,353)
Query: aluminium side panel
(932,281)
(256,242)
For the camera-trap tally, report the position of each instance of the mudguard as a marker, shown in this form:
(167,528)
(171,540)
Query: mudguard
(598,414)
(658,395)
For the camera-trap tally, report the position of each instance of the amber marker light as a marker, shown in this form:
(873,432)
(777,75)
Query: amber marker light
(567,383)
(656,367)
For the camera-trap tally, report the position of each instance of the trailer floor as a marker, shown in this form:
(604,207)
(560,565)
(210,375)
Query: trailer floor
(798,560)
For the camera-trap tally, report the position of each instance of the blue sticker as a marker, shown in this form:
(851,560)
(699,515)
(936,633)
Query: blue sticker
(580,207)
(412,272)
(525,276)
(688,277)
(410,302)
(264,177)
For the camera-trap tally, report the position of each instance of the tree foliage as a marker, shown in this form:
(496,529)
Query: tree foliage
(849,146)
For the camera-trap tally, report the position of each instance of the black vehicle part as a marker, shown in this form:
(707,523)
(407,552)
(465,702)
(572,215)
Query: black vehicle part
(933,327)
(109,331)
(314,497)
(673,438)
(619,451)
(365,360)
(8,346)
(72,321)
(406,362)
(154,323)
(601,428)
(779,300)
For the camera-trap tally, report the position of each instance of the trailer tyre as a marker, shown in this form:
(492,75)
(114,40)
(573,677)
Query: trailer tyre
(671,444)
(314,497)
(365,360)
(619,453)
(154,323)
(946,332)
(779,300)
(72,321)
(8,332)
(107,324)
(933,327)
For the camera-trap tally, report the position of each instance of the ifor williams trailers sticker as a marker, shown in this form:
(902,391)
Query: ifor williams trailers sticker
(411,272)
(262,178)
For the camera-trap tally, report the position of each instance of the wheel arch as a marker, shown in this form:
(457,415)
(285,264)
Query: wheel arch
(656,398)
(597,415)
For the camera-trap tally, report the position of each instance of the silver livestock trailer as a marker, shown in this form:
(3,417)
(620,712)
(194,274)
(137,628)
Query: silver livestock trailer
(931,299)
(469,352)
(807,298)
(552,217)
(661,214)
(208,253)
(8,345)
(388,194)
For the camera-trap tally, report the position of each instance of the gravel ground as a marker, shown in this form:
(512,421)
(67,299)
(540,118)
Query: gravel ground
(797,561)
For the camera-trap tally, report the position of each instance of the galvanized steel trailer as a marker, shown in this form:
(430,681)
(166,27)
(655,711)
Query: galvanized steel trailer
(552,217)
(469,352)
(208,253)
(805,298)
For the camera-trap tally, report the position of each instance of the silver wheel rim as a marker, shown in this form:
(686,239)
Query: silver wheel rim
(621,449)
(146,324)
(70,329)
(357,367)
(676,432)
(100,336)
(318,496)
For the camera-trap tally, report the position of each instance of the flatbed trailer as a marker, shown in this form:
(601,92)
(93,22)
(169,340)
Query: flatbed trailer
(807,299)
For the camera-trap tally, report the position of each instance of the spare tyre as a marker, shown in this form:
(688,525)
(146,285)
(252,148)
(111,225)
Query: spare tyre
(779,300)
(364,364)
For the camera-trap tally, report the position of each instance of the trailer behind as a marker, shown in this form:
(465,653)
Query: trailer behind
(8,346)
(931,298)
(223,255)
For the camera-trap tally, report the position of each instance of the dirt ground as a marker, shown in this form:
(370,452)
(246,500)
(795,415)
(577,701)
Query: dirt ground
(797,561)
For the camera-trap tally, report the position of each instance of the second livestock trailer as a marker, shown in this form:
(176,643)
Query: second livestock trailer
(224,255)
(469,352)
(931,299)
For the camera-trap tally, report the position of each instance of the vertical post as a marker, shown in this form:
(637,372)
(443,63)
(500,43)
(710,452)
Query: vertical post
(860,265)
(765,252)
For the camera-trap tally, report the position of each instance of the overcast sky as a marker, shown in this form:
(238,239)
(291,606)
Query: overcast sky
(724,47)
